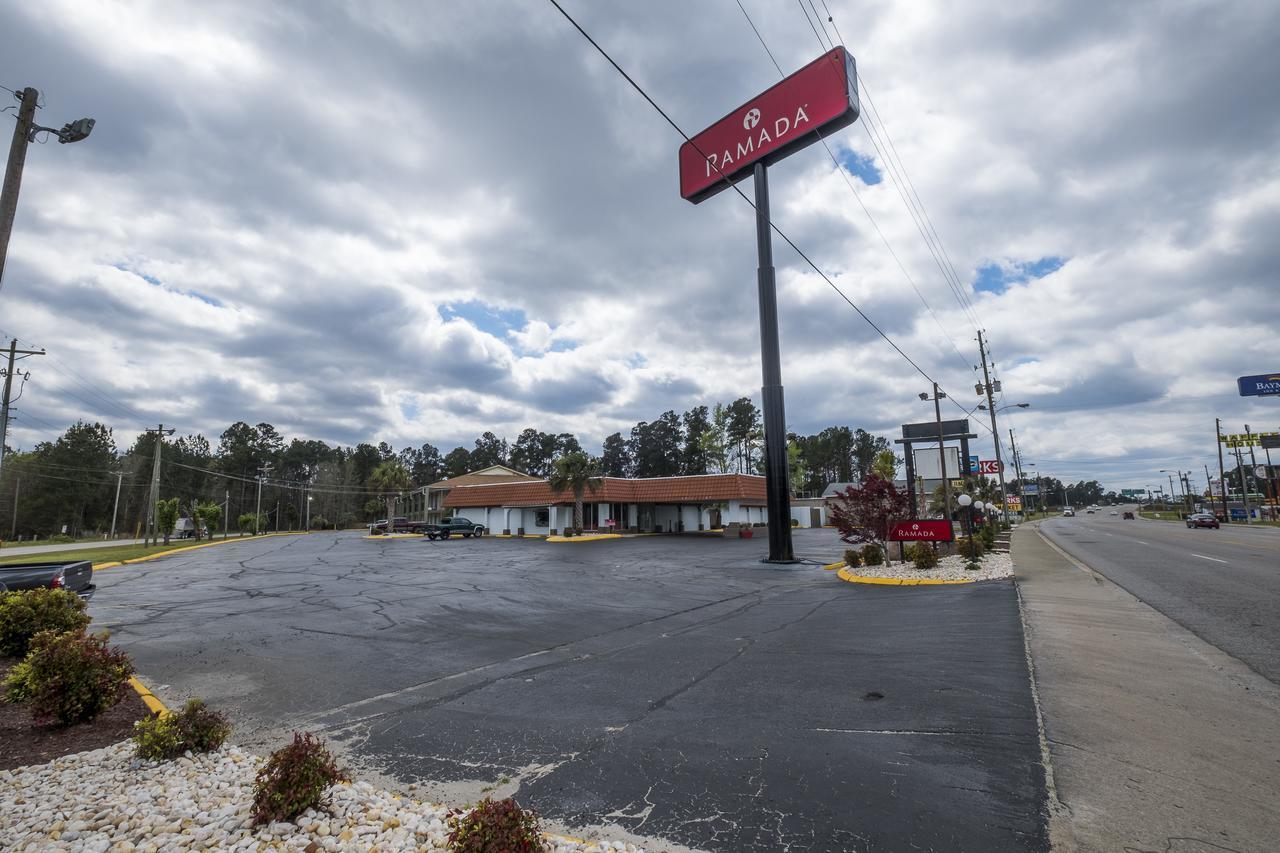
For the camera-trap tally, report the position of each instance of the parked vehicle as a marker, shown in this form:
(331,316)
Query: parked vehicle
(399,524)
(1068,513)
(76,576)
(447,527)
(1203,519)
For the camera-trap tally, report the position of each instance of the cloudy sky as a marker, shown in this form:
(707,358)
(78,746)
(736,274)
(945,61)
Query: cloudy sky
(411,221)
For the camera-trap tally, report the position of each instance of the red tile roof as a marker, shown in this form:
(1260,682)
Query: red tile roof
(707,488)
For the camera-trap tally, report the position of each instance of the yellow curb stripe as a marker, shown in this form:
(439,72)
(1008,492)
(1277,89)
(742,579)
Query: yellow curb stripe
(395,536)
(846,575)
(154,705)
(160,554)
(593,537)
(831,567)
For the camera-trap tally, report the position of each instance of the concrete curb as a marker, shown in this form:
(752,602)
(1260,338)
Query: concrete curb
(160,554)
(154,705)
(831,567)
(593,537)
(846,575)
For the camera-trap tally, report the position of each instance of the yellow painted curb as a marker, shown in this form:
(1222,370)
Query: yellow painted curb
(160,554)
(153,704)
(590,537)
(846,575)
(395,536)
(831,567)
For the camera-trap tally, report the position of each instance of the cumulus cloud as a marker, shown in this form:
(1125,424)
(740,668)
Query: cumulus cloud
(389,221)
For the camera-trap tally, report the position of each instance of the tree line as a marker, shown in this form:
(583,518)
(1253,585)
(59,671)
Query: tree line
(78,483)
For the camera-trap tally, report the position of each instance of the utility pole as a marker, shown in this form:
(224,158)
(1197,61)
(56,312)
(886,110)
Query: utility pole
(1017,468)
(13,169)
(942,454)
(1244,486)
(995,433)
(226,512)
(116,507)
(17,487)
(257,514)
(14,352)
(1222,472)
(1208,489)
(153,533)
(24,132)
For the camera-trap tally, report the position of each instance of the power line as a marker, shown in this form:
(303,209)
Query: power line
(857,197)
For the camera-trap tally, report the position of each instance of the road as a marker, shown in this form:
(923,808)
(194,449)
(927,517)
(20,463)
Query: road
(673,686)
(1222,585)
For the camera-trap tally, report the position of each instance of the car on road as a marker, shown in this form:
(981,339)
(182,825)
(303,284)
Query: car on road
(1068,513)
(1128,514)
(76,576)
(1089,511)
(1203,519)
(1113,512)
(447,527)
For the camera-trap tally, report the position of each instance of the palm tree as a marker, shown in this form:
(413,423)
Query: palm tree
(575,472)
(390,478)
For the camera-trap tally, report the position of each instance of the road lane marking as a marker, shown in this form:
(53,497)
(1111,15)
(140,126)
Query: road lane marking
(1203,557)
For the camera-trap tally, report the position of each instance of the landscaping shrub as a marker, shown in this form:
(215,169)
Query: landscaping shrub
(293,779)
(989,536)
(70,678)
(923,555)
(795,522)
(60,539)
(495,825)
(970,549)
(852,558)
(195,728)
(872,555)
(25,613)
(17,686)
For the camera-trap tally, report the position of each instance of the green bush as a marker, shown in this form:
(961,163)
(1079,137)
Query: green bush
(25,613)
(70,677)
(970,549)
(988,536)
(195,728)
(495,825)
(60,539)
(852,558)
(872,555)
(157,738)
(923,555)
(17,685)
(293,779)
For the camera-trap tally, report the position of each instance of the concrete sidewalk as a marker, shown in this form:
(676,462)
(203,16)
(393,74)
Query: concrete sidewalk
(1158,741)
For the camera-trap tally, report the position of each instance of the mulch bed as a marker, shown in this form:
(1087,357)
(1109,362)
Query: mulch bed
(22,742)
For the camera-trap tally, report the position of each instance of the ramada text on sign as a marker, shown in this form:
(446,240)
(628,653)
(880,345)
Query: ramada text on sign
(820,99)
(921,531)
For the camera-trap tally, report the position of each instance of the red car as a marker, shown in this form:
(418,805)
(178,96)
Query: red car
(1203,519)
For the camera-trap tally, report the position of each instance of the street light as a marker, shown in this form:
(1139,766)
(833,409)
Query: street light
(24,133)
(942,454)
(965,501)
(983,407)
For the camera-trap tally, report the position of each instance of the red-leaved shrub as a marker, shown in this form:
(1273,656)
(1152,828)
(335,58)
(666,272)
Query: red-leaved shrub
(293,779)
(493,826)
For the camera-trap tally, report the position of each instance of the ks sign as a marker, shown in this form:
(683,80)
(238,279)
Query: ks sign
(817,100)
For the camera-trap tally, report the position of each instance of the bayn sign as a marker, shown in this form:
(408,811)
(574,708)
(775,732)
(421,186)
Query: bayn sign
(817,100)
(1262,385)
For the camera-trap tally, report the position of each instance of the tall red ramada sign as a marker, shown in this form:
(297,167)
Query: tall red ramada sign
(817,100)
(921,531)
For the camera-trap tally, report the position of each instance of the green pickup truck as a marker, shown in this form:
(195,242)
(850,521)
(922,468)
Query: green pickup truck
(449,526)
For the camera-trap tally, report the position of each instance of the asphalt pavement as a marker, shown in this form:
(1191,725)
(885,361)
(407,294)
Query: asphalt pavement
(672,686)
(1222,585)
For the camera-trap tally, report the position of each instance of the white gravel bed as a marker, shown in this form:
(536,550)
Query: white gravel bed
(106,799)
(994,567)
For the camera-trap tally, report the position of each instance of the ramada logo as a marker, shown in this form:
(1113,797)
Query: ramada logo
(755,142)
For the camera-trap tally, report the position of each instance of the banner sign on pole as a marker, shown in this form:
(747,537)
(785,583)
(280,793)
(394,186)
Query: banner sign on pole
(921,531)
(1030,489)
(1262,385)
(973,464)
(988,466)
(816,101)
(1013,502)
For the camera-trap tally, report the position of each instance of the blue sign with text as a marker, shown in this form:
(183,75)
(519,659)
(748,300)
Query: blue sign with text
(1263,385)
(973,465)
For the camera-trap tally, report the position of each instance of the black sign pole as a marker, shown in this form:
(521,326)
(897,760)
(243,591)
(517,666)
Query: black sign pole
(775,421)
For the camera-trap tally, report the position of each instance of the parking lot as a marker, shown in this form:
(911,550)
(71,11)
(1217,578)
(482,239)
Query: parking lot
(673,686)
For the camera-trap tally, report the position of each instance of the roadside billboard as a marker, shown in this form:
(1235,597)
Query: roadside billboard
(1262,385)
(926,463)
(921,531)
(816,101)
